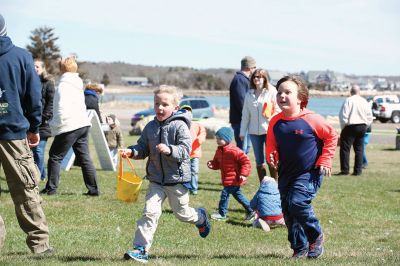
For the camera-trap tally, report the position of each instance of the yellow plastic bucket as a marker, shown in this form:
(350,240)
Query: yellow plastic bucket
(128,183)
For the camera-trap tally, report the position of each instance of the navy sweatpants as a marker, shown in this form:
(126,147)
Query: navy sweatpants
(296,196)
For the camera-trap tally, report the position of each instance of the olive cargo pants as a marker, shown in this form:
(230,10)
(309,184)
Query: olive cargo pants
(22,177)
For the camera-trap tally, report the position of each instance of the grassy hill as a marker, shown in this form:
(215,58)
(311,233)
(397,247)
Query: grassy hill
(184,77)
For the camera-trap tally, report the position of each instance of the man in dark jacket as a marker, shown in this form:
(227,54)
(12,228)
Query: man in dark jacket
(20,117)
(240,85)
(47,115)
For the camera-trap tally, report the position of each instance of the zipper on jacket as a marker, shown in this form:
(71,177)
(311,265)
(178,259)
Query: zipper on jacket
(161,164)
(222,163)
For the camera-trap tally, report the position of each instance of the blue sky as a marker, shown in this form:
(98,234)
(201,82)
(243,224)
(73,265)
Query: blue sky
(350,36)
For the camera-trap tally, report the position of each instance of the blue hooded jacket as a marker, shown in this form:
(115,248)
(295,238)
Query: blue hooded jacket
(267,201)
(20,92)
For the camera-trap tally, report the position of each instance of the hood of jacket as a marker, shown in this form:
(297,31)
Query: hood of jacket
(178,115)
(269,187)
(5,45)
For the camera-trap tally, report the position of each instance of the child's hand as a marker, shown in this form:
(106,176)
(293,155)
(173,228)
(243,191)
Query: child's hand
(125,153)
(164,149)
(242,180)
(327,171)
(210,165)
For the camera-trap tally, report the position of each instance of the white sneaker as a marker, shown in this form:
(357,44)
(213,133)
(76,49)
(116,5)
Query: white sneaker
(218,217)
(264,225)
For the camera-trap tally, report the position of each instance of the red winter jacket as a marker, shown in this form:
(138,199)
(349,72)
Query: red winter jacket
(233,163)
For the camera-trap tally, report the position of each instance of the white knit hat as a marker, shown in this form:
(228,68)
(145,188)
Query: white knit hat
(3,29)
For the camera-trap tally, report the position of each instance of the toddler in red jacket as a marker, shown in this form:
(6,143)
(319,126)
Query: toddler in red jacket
(235,167)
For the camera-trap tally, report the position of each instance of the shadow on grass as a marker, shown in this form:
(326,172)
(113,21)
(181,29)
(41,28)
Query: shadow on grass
(238,223)
(390,149)
(4,190)
(211,183)
(79,258)
(395,190)
(222,257)
(39,257)
(210,189)
(59,194)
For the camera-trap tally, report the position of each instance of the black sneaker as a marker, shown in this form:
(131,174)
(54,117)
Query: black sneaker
(342,173)
(43,191)
(48,192)
(92,194)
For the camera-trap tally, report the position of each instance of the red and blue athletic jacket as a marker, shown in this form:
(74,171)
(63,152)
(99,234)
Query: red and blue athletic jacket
(301,143)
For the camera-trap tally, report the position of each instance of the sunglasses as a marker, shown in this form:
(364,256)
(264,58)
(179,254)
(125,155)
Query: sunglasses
(258,77)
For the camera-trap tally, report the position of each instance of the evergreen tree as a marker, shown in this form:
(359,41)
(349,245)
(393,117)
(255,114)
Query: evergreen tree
(105,80)
(43,46)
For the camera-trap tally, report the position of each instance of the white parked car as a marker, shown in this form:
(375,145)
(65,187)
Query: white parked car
(386,107)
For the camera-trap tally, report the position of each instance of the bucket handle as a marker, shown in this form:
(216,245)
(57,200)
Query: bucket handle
(120,166)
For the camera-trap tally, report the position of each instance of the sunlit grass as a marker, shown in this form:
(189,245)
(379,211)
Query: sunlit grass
(360,216)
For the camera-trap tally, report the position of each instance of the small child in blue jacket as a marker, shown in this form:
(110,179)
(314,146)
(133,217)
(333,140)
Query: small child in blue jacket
(267,204)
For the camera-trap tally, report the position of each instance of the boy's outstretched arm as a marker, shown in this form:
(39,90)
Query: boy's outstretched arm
(214,163)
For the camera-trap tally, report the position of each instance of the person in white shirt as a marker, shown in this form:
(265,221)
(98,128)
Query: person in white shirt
(355,117)
(70,126)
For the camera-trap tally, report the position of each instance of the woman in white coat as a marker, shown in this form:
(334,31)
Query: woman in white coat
(258,108)
(70,125)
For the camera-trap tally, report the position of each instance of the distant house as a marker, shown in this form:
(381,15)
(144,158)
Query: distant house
(276,75)
(138,81)
(330,79)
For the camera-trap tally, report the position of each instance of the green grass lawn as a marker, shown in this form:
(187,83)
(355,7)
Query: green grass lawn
(360,217)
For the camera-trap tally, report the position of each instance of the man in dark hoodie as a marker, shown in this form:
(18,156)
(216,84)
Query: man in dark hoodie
(240,85)
(20,117)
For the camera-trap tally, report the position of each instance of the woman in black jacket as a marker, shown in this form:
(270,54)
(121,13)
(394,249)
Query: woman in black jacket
(47,114)
(92,92)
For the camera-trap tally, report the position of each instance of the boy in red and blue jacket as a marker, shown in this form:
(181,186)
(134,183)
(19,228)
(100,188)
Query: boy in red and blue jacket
(301,145)
(235,167)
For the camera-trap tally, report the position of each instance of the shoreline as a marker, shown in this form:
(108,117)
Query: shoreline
(127,90)
(382,133)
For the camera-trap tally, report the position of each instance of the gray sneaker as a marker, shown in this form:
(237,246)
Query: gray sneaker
(218,217)
(250,216)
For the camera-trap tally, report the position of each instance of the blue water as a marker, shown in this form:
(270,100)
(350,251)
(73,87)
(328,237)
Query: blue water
(322,105)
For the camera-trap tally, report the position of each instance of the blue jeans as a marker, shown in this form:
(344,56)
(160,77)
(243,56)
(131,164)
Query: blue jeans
(366,141)
(258,143)
(237,194)
(296,196)
(243,145)
(38,156)
(114,155)
(194,171)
